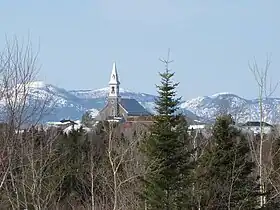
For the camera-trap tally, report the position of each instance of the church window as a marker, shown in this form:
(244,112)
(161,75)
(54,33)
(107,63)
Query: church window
(113,112)
(113,76)
(113,90)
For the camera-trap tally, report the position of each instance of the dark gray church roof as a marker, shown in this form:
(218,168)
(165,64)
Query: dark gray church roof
(133,108)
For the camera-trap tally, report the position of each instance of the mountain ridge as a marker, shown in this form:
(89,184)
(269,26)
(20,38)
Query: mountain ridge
(74,103)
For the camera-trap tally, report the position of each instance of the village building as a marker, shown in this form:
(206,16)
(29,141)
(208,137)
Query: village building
(255,127)
(121,109)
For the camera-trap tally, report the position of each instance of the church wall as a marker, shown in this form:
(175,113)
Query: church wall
(107,112)
(102,113)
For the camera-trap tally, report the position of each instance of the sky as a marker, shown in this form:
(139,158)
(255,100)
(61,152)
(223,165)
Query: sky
(211,42)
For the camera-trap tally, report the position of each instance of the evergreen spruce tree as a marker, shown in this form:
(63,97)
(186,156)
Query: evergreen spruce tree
(166,186)
(72,151)
(226,171)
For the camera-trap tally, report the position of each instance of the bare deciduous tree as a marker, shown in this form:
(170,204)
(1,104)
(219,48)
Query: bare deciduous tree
(19,68)
(125,162)
(22,173)
(265,90)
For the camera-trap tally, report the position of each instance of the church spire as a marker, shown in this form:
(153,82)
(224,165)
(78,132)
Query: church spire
(114,79)
(114,83)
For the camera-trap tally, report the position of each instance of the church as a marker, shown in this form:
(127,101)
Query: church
(121,109)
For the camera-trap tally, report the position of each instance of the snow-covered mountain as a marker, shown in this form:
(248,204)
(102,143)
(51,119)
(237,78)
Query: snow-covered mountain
(74,103)
(242,110)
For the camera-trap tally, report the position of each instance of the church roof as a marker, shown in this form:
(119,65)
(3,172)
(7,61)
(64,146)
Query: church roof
(133,108)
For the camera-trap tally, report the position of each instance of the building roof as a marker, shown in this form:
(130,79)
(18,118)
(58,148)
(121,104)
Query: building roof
(256,123)
(133,108)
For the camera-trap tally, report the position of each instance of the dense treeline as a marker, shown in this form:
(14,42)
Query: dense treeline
(111,168)
(53,170)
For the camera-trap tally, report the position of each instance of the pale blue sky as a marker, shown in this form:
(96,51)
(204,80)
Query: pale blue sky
(211,41)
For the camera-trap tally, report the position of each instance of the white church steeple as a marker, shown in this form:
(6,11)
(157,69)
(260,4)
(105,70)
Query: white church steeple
(114,83)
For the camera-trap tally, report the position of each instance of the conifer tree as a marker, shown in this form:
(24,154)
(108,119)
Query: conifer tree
(73,151)
(166,185)
(226,180)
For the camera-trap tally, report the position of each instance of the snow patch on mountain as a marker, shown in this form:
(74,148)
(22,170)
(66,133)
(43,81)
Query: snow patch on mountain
(37,84)
(221,94)
(102,92)
(149,106)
